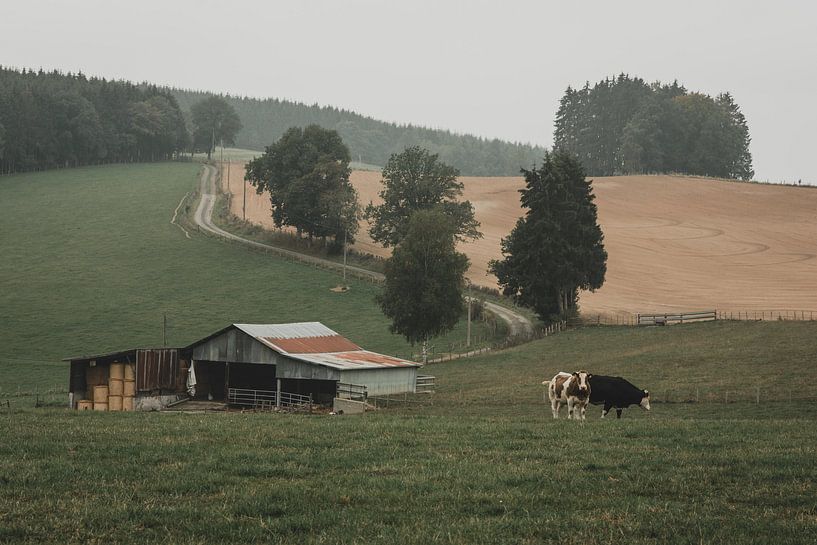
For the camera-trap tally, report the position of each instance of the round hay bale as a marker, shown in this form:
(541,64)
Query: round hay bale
(115,387)
(101,395)
(114,403)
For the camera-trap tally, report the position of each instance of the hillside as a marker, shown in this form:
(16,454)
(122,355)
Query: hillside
(369,140)
(91,263)
(674,243)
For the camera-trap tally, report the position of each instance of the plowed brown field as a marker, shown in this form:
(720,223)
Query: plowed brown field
(674,243)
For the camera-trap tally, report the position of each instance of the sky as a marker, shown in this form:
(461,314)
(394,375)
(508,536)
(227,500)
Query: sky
(490,68)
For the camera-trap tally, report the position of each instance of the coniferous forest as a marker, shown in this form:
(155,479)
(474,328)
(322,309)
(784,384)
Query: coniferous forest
(50,119)
(625,126)
(371,141)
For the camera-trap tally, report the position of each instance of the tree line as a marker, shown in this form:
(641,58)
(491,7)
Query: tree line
(625,126)
(51,119)
(369,140)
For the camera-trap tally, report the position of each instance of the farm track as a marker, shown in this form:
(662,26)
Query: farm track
(518,325)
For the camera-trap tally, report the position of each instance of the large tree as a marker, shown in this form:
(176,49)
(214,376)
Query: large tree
(214,121)
(417,180)
(306,173)
(557,247)
(423,291)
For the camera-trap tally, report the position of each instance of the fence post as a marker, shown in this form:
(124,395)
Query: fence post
(757,395)
(697,395)
(726,396)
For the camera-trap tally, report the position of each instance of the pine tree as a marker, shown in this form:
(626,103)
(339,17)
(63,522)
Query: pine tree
(557,248)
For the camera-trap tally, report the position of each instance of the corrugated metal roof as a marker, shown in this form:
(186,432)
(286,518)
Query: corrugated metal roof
(359,359)
(287,331)
(313,342)
(312,345)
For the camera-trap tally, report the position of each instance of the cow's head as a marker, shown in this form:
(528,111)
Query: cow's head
(582,381)
(645,400)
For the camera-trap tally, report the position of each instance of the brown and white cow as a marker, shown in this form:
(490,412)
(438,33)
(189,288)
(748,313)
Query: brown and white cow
(572,389)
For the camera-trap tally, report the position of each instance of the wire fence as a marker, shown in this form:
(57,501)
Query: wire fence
(631,319)
(757,395)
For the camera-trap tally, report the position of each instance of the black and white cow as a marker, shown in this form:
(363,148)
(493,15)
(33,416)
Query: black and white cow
(616,392)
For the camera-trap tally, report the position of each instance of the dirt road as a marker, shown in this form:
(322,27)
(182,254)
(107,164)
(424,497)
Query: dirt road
(518,325)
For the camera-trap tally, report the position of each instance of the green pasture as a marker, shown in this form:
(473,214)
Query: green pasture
(391,478)
(480,462)
(91,263)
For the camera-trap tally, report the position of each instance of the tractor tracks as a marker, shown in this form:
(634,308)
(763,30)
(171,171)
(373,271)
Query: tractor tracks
(518,325)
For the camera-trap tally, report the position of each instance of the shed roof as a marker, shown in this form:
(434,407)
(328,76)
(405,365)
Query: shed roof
(313,342)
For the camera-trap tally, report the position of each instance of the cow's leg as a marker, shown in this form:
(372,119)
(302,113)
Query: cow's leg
(584,410)
(570,408)
(554,407)
(606,409)
(618,413)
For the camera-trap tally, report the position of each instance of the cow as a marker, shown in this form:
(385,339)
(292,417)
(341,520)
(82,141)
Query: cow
(616,392)
(573,389)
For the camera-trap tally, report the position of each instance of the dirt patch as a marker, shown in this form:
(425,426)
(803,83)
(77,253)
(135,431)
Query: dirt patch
(674,243)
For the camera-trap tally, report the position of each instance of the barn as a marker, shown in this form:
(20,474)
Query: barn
(251,364)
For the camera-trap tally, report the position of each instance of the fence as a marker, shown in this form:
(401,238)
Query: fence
(267,399)
(756,395)
(678,318)
(767,315)
(426,384)
(624,318)
(355,392)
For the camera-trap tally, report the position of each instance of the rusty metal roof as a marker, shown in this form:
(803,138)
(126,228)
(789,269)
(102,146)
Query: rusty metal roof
(313,342)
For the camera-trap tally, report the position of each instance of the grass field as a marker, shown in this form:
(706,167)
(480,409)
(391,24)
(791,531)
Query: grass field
(484,464)
(91,264)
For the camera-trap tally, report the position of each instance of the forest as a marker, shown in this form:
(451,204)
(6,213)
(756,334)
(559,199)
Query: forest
(51,119)
(371,141)
(625,126)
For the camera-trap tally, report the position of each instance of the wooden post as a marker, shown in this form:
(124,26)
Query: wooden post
(278,393)
(757,396)
(697,395)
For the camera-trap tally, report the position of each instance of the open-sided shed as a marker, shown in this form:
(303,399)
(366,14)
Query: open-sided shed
(302,358)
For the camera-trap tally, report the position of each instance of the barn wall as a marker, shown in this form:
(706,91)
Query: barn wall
(383,381)
(235,346)
(157,370)
(289,368)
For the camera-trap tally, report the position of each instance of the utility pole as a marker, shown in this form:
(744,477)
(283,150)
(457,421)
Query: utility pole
(244,209)
(468,334)
(212,143)
(345,230)
(228,175)
(164,329)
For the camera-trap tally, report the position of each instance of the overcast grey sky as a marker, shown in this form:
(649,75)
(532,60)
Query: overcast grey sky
(494,69)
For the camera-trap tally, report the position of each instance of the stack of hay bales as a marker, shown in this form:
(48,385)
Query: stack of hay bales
(129,387)
(96,382)
(115,386)
(111,388)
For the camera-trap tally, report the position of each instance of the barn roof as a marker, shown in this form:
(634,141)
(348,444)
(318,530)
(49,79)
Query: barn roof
(313,342)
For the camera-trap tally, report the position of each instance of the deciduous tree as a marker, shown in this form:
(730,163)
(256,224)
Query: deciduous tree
(306,173)
(416,180)
(423,292)
(214,121)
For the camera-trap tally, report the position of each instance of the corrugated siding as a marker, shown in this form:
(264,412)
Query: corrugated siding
(234,346)
(383,381)
(156,369)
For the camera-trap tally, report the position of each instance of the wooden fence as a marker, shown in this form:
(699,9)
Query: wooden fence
(676,318)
